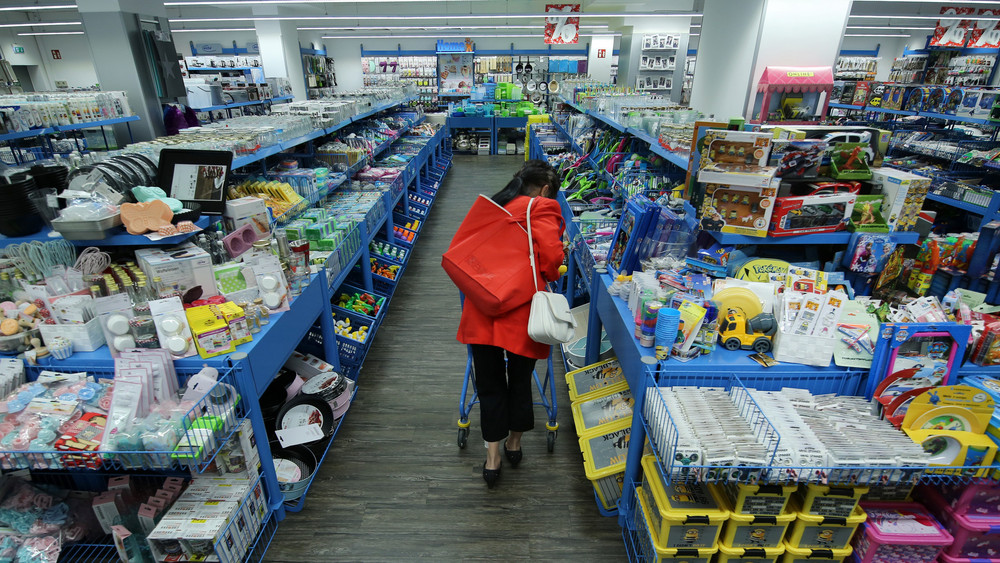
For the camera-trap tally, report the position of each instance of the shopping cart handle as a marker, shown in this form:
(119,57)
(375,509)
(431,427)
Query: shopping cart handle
(562,269)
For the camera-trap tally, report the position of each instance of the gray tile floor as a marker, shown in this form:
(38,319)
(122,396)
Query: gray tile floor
(395,486)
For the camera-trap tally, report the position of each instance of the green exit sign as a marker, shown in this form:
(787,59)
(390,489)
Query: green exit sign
(18,50)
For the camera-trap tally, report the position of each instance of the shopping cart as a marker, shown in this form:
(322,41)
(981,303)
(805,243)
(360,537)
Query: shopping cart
(544,386)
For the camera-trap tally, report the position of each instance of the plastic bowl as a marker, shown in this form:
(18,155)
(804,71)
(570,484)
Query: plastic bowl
(17,343)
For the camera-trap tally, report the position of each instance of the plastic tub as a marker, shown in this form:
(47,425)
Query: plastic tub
(755,531)
(749,554)
(824,532)
(683,515)
(974,498)
(806,555)
(614,404)
(945,558)
(649,545)
(588,382)
(825,500)
(604,454)
(976,536)
(764,500)
(898,532)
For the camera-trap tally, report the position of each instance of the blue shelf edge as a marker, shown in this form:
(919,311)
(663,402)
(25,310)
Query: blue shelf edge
(839,237)
(963,205)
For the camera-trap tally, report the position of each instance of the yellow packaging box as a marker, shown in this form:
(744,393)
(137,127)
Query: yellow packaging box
(614,403)
(234,315)
(604,454)
(589,382)
(211,334)
(729,554)
(827,500)
(765,500)
(805,555)
(824,532)
(649,545)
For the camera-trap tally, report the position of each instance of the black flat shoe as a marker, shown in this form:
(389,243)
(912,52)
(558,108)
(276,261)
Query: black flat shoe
(513,456)
(491,475)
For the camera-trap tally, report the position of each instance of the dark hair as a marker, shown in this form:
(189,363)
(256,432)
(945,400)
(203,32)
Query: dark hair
(533,175)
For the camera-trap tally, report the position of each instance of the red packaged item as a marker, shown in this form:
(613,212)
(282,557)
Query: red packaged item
(825,210)
(83,435)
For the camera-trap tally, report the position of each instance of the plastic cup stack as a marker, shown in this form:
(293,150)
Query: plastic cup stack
(667,323)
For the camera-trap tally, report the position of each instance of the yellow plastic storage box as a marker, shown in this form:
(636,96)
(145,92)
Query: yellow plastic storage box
(830,532)
(613,404)
(764,500)
(806,555)
(604,454)
(649,544)
(749,554)
(826,500)
(589,382)
(756,530)
(683,515)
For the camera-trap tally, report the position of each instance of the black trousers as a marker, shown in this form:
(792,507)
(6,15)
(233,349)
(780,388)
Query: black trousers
(504,391)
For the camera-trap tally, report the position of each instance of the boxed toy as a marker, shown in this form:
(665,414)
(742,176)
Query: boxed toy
(893,99)
(904,195)
(913,98)
(744,210)
(823,211)
(848,162)
(736,157)
(861,93)
(797,159)
(185,268)
(977,102)
(876,94)
(870,252)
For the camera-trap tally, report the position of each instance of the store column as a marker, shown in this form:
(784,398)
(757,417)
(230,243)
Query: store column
(602,48)
(740,39)
(147,71)
(279,49)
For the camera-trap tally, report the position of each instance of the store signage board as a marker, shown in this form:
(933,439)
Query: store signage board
(466,46)
(562,28)
(253,48)
(18,50)
(952,32)
(208,48)
(986,34)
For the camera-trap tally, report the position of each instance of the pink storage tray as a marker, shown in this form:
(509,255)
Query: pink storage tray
(976,537)
(944,558)
(899,532)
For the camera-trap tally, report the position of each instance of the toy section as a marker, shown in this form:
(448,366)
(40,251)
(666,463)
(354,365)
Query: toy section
(788,324)
(790,321)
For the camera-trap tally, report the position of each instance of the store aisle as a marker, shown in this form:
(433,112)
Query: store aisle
(395,486)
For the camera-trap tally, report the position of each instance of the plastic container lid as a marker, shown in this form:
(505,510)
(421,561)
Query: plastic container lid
(818,554)
(685,500)
(767,553)
(604,453)
(906,523)
(856,517)
(613,404)
(588,382)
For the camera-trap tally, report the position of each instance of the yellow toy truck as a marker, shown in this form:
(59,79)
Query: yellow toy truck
(736,332)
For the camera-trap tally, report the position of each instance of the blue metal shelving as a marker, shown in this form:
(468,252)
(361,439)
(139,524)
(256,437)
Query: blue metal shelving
(839,237)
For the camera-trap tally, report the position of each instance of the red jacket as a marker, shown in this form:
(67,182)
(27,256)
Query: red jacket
(510,330)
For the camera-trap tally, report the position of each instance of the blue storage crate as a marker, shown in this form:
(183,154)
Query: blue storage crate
(352,352)
(349,289)
(380,284)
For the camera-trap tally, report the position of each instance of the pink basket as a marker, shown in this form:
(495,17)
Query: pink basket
(976,537)
(899,532)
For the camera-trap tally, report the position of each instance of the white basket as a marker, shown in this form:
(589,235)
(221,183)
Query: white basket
(85,337)
(803,349)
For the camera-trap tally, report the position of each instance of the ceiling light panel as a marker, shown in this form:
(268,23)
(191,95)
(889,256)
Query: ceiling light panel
(891,27)
(34,8)
(436,17)
(38,24)
(52,33)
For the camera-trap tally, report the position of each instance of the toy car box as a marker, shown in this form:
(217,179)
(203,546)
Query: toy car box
(797,159)
(977,102)
(744,210)
(736,158)
(826,210)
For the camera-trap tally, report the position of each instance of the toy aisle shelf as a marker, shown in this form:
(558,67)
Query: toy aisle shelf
(839,237)
(929,114)
(677,159)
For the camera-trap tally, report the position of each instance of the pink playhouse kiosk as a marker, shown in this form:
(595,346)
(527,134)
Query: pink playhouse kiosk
(793,95)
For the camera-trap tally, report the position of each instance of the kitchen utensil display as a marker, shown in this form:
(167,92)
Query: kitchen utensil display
(519,68)
(553,86)
(543,86)
(528,68)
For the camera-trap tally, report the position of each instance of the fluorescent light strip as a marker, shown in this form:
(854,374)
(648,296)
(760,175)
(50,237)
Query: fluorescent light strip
(891,27)
(213,29)
(33,8)
(439,36)
(38,24)
(52,33)
(906,17)
(439,17)
(430,27)
(875,35)
(264,2)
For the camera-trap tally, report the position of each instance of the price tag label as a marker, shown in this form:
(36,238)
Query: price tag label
(299,435)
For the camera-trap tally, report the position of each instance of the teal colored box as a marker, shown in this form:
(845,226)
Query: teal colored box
(316,214)
(318,231)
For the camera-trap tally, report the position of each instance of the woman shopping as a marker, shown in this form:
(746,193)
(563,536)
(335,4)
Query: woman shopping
(503,354)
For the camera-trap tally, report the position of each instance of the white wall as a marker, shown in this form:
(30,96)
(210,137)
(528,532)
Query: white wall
(183,40)
(76,66)
(31,57)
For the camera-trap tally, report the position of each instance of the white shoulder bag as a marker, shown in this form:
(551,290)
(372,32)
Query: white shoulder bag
(550,321)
